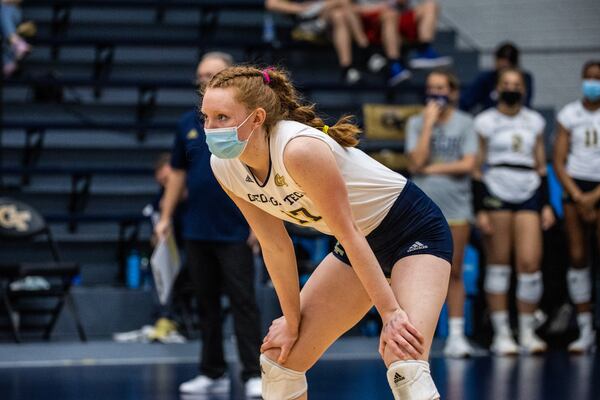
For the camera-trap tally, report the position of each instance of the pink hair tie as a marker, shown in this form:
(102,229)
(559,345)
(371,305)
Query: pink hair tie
(265,74)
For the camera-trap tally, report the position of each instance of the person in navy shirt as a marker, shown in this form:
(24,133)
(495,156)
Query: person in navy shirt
(482,94)
(217,243)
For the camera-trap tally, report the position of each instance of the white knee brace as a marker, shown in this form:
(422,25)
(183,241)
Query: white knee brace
(579,283)
(497,279)
(530,287)
(411,380)
(279,383)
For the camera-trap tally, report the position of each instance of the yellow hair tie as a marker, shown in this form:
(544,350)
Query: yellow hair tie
(325,129)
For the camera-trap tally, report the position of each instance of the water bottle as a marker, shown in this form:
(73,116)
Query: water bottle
(133,270)
(146,275)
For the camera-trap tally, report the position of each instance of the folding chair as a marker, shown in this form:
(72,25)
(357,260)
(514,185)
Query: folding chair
(20,223)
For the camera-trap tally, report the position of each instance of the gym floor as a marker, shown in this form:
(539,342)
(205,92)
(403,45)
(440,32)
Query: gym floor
(349,370)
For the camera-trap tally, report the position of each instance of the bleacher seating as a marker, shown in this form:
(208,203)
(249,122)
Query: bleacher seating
(126,69)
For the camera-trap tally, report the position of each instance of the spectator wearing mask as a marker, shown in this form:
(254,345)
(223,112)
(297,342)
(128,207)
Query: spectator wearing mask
(388,22)
(482,93)
(346,29)
(577,165)
(218,254)
(15,47)
(442,147)
(512,205)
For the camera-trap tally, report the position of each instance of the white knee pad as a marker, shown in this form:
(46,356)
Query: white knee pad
(411,380)
(497,279)
(279,383)
(579,283)
(530,287)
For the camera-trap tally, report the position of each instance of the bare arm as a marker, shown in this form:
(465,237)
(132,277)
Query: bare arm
(279,257)
(172,196)
(561,150)
(480,159)
(419,156)
(311,164)
(464,166)
(540,156)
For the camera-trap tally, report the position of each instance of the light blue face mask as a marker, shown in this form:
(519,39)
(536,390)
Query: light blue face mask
(591,89)
(224,142)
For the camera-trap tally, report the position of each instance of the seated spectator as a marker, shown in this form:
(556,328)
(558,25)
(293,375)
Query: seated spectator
(442,146)
(15,47)
(389,22)
(345,26)
(482,93)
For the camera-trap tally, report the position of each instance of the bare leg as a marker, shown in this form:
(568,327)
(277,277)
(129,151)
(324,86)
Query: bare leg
(577,246)
(389,34)
(427,17)
(342,40)
(498,246)
(331,302)
(528,248)
(420,285)
(456,290)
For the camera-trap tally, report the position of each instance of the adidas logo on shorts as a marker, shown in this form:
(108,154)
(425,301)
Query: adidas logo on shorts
(398,378)
(417,246)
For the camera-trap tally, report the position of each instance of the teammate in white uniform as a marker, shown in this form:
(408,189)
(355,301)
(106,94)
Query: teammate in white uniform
(508,204)
(577,164)
(271,155)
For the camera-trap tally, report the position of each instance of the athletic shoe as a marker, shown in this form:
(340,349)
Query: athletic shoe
(398,74)
(376,63)
(429,58)
(585,343)
(352,76)
(457,347)
(253,388)
(504,345)
(532,344)
(136,336)
(203,384)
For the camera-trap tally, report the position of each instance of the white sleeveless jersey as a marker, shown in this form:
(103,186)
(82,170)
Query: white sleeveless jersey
(583,161)
(510,140)
(372,188)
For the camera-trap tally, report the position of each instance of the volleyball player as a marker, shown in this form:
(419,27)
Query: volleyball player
(279,162)
(577,164)
(513,207)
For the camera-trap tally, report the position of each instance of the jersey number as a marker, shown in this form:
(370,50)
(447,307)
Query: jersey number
(304,213)
(591,138)
(517,143)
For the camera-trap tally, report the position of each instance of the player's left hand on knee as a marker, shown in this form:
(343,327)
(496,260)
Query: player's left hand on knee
(280,336)
(402,338)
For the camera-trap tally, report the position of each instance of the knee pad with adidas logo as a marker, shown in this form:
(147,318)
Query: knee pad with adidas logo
(411,380)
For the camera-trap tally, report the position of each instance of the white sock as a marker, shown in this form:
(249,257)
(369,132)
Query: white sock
(456,326)
(526,322)
(584,321)
(500,323)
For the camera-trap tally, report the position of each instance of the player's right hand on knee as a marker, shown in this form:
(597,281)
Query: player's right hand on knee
(401,337)
(280,336)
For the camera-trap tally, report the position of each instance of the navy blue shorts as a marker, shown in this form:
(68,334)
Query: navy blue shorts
(584,186)
(414,225)
(493,203)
